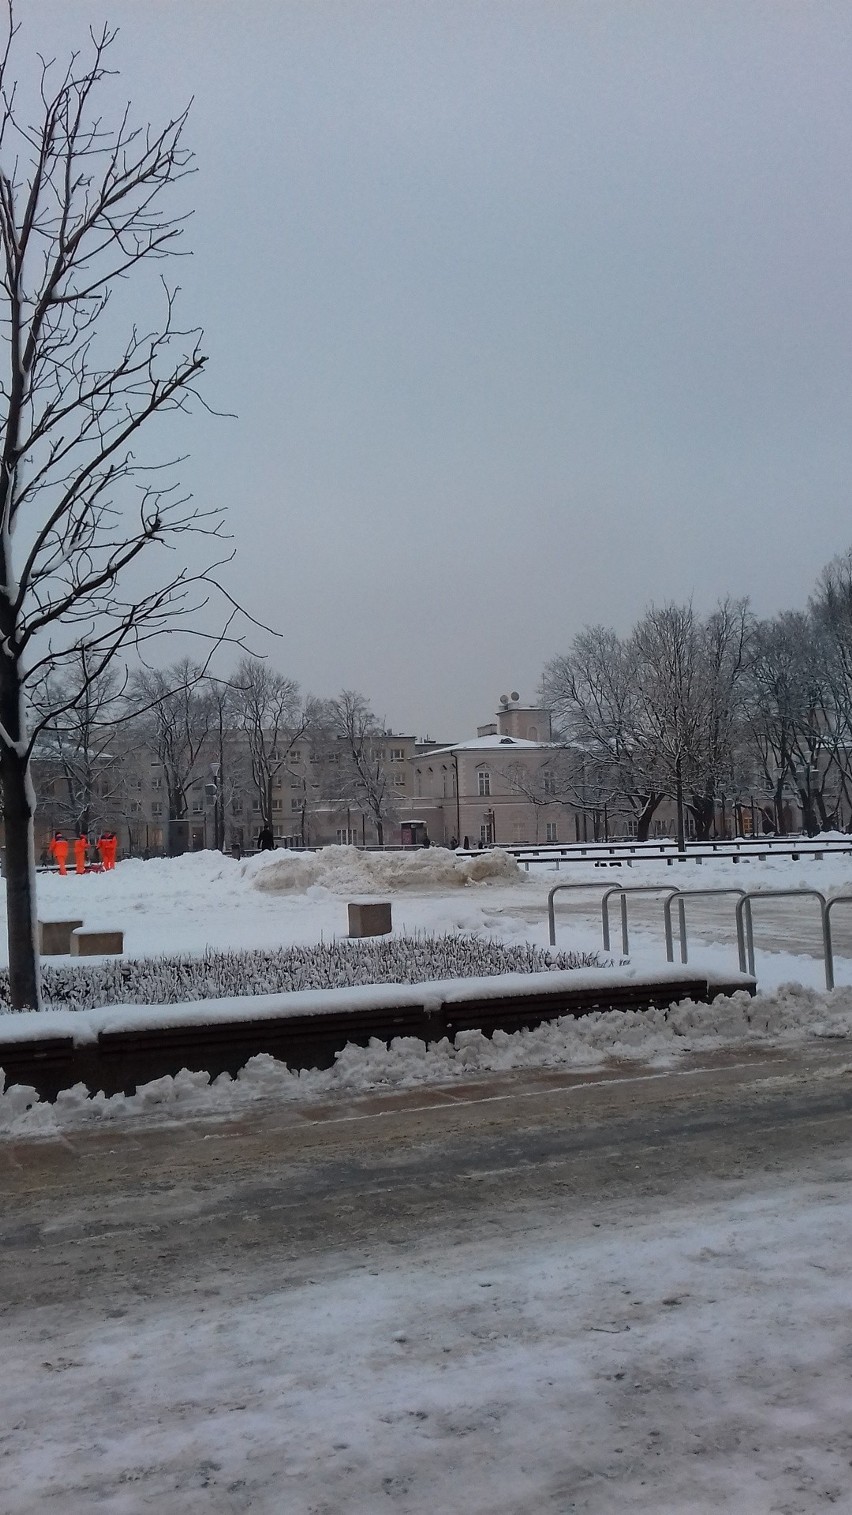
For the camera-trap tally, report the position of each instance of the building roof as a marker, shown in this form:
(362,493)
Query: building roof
(487,744)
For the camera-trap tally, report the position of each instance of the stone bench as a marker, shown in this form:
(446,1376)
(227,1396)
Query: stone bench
(54,937)
(370,919)
(88,943)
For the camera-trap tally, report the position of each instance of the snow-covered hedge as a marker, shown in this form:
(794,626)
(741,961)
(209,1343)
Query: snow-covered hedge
(330,965)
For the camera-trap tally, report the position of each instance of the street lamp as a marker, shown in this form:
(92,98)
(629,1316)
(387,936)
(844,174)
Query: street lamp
(213,791)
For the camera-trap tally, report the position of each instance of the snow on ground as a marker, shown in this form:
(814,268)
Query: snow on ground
(205,899)
(689,1354)
(600,1358)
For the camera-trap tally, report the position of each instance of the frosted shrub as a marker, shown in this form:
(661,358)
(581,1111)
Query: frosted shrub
(328,965)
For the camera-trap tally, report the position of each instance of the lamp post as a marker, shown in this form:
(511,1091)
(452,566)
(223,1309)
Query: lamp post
(213,790)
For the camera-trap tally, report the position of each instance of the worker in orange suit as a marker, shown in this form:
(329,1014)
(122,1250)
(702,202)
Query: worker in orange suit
(59,848)
(107,847)
(81,847)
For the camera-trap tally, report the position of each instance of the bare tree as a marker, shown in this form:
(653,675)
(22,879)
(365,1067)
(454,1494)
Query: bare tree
(179,729)
(83,744)
(269,710)
(593,692)
(361,773)
(83,209)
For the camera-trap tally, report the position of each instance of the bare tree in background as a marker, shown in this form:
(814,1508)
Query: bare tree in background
(269,710)
(180,727)
(83,209)
(83,744)
(593,692)
(362,777)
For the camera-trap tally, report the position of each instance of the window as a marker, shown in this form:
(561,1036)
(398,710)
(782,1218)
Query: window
(548,779)
(157,783)
(397,754)
(295,804)
(550,831)
(255,805)
(276,782)
(277,805)
(399,780)
(135,807)
(484,781)
(156,809)
(236,807)
(345,836)
(197,807)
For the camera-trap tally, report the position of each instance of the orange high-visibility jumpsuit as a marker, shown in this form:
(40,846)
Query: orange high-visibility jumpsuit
(81,847)
(59,848)
(110,849)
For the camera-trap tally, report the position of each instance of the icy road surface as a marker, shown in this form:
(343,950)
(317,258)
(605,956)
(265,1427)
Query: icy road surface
(536,1293)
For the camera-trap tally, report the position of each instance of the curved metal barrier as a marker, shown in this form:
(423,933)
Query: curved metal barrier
(623,890)
(745,924)
(744,917)
(828,944)
(551,910)
(681,895)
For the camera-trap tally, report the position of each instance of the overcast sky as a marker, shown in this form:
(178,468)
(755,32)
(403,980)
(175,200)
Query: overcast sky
(531,313)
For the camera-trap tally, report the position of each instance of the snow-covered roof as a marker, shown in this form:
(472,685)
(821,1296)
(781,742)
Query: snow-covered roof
(485,744)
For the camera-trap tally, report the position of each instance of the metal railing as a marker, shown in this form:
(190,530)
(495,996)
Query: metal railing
(551,909)
(745,925)
(681,895)
(744,917)
(615,856)
(827,941)
(623,890)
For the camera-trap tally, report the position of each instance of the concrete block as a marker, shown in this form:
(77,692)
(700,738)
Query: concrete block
(96,943)
(369,920)
(54,937)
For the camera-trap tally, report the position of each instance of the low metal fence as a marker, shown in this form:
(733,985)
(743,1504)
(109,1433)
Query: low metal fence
(678,898)
(681,895)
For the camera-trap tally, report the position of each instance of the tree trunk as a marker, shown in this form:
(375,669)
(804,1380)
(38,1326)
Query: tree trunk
(809,821)
(646,815)
(778,806)
(18,809)
(703,809)
(681,836)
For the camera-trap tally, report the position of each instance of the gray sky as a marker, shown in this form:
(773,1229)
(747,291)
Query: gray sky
(530,312)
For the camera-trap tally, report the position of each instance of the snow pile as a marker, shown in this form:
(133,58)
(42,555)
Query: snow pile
(329,965)
(345,870)
(657,1037)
